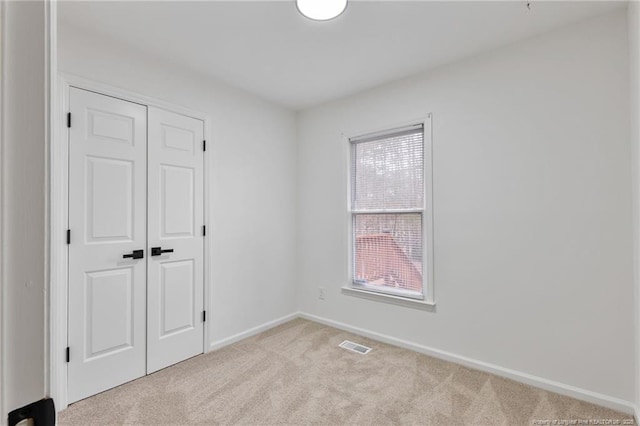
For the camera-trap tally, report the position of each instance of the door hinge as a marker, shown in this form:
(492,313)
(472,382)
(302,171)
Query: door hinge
(204,145)
(68,354)
(68,236)
(69,119)
(204,316)
(204,230)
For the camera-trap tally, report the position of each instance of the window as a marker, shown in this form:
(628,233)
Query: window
(390,212)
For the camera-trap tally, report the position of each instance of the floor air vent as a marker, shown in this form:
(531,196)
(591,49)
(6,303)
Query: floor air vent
(354,347)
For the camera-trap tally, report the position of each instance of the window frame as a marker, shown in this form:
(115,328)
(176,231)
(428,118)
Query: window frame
(426,299)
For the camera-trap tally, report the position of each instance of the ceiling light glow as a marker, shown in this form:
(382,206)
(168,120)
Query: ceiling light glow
(321,10)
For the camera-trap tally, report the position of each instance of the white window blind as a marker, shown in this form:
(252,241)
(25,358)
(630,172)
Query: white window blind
(387,206)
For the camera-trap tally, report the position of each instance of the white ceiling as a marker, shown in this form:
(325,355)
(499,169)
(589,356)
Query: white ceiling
(267,48)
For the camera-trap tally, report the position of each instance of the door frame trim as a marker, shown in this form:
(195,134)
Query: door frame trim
(59,214)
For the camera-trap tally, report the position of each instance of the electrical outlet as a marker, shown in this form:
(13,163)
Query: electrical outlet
(321,293)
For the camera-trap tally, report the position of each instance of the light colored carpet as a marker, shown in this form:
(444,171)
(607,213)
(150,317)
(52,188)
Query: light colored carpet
(297,374)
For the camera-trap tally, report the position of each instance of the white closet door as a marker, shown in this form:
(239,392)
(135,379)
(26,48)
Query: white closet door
(107,219)
(176,242)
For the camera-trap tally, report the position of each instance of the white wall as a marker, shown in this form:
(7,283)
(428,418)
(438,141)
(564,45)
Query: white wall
(634,73)
(253,190)
(533,248)
(23,204)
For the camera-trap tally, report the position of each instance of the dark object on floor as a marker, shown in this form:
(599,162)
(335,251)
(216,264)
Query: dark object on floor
(43,413)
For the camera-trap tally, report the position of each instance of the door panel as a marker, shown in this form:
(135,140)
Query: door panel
(177,138)
(107,219)
(177,297)
(177,209)
(109,199)
(110,127)
(176,215)
(108,330)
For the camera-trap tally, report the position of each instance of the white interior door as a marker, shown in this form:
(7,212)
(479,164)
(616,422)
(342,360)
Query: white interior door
(107,220)
(176,242)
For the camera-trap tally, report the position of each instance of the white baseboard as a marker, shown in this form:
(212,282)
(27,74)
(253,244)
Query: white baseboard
(529,379)
(251,332)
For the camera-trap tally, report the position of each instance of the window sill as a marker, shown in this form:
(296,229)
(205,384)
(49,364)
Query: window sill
(389,298)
